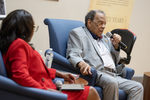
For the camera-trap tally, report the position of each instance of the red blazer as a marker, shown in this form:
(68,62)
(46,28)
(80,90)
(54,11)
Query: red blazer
(26,67)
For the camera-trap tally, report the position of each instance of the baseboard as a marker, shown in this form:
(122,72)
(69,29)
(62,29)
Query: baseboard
(138,78)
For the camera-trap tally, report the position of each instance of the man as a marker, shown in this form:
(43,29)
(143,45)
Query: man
(89,47)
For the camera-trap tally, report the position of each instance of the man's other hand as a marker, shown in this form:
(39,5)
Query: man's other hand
(84,68)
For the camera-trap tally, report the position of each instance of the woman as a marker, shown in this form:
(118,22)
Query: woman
(24,65)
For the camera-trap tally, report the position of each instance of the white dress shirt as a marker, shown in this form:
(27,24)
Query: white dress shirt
(105,54)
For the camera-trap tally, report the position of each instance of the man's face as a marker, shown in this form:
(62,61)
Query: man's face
(97,26)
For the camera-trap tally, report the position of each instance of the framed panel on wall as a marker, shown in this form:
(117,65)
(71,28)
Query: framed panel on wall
(2,9)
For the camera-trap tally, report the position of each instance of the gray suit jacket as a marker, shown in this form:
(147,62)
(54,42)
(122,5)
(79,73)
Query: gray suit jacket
(82,47)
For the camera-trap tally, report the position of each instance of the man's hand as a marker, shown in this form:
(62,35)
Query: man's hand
(84,68)
(115,40)
(67,76)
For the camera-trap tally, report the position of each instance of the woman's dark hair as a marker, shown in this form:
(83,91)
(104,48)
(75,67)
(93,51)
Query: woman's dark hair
(91,14)
(17,24)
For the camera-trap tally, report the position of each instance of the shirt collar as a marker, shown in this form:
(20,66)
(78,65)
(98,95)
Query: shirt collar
(94,36)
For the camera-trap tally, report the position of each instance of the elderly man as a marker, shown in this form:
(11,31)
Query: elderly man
(89,48)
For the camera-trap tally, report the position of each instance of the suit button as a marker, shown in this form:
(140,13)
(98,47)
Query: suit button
(43,79)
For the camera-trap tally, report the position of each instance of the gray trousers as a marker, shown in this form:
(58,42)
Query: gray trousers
(112,83)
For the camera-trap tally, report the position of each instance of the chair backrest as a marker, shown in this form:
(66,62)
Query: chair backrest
(128,38)
(59,30)
(2,66)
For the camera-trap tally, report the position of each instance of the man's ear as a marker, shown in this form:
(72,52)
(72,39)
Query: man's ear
(89,22)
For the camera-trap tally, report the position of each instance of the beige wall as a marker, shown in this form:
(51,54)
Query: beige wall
(76,10)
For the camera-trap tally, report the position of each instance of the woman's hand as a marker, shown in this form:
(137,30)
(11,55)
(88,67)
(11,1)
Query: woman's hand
(67,76)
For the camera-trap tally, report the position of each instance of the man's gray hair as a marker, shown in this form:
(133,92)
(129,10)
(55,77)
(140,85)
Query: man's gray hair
(91,14)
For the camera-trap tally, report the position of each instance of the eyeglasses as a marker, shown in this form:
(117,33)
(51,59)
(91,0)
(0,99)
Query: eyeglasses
(36,27)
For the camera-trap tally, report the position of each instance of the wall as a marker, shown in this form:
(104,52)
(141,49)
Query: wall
(76,10)
(140,25)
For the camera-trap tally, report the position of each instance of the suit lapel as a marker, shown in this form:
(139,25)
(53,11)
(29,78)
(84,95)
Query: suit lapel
(92,41)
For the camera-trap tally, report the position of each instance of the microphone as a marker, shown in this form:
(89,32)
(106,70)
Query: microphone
(120,43)
(58,84)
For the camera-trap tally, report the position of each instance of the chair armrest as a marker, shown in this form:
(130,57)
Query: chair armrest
(61,63)
(61,60)
(129,73)
(9,85)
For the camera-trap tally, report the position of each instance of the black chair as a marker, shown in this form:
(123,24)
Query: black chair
(128,38)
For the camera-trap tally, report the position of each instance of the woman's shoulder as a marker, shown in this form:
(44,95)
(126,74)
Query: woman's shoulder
(18,46)
(19,43)
(19,40)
